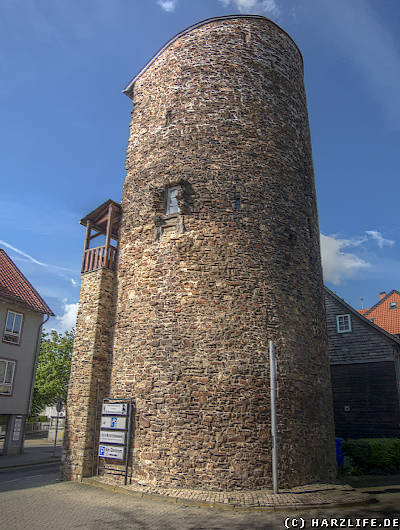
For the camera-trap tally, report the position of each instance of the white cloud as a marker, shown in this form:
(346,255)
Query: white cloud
(337,264)
(74,282)
(168,5)
(377,236)
(68,319)
(262,7)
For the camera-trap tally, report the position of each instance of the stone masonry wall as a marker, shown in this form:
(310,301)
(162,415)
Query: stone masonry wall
(221,114)
(90,372)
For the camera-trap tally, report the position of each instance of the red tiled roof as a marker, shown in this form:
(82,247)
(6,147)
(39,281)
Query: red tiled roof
(15,287)
(386,318)
(362,311)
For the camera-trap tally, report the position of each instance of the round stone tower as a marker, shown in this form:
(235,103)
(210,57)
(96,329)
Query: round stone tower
(218,254)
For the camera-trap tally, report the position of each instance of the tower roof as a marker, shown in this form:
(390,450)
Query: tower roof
(99,217)
(128,90)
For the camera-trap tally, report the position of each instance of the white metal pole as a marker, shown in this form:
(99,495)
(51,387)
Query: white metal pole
(272,371)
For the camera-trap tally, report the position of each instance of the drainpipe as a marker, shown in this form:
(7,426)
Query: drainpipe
(272,371)
(39,334)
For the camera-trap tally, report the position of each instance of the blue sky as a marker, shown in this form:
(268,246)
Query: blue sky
(63,65)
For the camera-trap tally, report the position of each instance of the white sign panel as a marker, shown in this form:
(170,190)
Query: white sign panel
(112,437)
(17,429)
(113,422)
(109,451)
(115,408)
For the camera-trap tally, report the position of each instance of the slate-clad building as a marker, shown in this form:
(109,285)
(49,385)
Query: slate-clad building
(21,317)
(218,253)
(365,370)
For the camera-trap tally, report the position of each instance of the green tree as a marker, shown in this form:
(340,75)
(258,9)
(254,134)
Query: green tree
(53,370)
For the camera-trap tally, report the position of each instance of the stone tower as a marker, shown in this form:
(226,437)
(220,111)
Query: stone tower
(218,254)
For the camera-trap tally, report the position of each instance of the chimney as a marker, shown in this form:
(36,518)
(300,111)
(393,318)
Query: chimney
(382,295)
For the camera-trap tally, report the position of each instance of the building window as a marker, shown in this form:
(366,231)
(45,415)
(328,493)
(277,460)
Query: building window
(12,331)
(371,319)
(172,201)
(7,369)
(393,305)
(343,323)
(238,203)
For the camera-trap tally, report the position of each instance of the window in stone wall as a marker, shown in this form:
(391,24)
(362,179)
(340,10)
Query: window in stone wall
(172,201)
(238,203)
(343,323)
(168,117)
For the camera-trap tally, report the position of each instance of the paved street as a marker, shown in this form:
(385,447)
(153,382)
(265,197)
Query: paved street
(32,498)
(29,477)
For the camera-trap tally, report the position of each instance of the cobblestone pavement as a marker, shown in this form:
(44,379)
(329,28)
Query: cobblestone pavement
(297,498)
(71,505)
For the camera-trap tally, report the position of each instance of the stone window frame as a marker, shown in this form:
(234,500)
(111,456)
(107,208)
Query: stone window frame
(167,222)
(343,323)
(12,336)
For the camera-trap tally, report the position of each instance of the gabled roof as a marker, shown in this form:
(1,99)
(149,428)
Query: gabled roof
(361,317)
(16,288)
(386,318)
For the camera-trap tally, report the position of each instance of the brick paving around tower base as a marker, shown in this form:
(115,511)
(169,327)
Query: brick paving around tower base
(299,498)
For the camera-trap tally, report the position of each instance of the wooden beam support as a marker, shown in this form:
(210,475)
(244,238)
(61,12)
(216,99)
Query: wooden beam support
(108,237)
(87,240)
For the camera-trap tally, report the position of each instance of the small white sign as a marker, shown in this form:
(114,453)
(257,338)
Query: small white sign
(113,422)
(113,437)
(115,408)
(109,451)
(17,429)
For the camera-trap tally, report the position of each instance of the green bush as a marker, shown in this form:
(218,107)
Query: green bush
(369,455)
(35,418)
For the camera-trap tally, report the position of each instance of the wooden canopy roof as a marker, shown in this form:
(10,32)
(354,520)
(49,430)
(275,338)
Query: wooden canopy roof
(100,216)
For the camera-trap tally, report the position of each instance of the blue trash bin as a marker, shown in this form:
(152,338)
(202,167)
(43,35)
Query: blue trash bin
(339,452)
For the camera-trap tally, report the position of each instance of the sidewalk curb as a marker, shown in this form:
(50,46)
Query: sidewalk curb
(224,506)
(29,464)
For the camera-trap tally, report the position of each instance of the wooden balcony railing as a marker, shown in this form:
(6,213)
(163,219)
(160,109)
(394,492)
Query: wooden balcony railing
(99,258)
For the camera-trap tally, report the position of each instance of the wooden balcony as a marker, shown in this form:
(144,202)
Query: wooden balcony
(99,258)
(104,220)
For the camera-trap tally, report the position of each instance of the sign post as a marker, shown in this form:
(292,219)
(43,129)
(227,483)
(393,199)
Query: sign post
(115,426)
(59,407)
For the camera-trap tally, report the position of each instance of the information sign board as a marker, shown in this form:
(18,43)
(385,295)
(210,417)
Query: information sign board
(115,408)
(17,428)
(113,437)
(110,451)
(113,422)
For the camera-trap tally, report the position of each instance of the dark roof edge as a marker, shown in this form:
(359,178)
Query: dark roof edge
(361,317)
(129,87)
(106,203)
(381,300)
